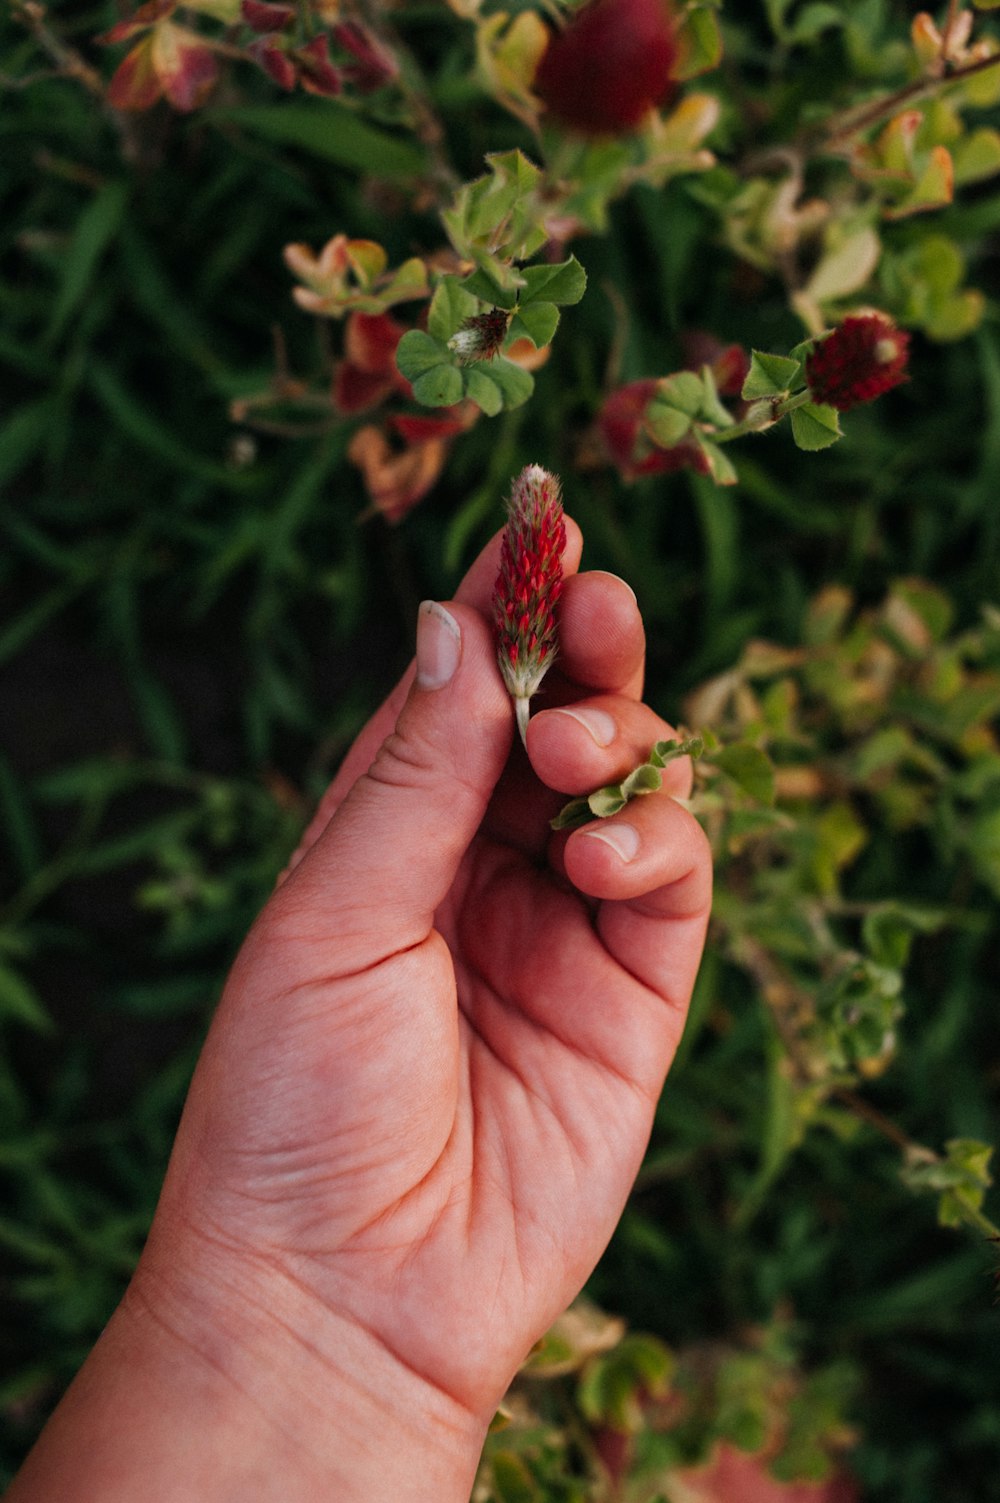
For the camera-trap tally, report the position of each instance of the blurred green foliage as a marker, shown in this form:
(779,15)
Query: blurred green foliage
(195,619)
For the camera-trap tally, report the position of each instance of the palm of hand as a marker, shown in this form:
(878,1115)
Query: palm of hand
(448,1176)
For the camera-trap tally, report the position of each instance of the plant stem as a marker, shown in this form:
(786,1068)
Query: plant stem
(751,423)
(881,109)
(521,712)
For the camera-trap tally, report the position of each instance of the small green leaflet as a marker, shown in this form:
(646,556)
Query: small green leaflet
(770,376)
(646,778)
(815,426)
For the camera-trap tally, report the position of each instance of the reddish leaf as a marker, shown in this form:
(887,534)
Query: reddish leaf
(275,62)
(416,429)
(186,66)
(370,341)
(396,482)
(263,17)
(135,84)
(374,65)
(147,15)
(730,1474)
(356,390)
(317,74)
(729,363)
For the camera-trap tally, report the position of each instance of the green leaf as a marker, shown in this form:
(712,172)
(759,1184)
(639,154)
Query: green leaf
(668,751)
(495,219)
(330,131)
(95,228)
(812,20)
(644,779)
(604,802)
(483,287)
(515,383)
(699,44)
(479,388)
(976,156)
(815,426)
(720,466)
(576,812)
(667,425)
(21,1003)
(418,352)
(538,322)
(22,434)
(961,1179)
(440,387)
(450,306)
(683,390)
(749,768)
(712,409)
(564,283)
(769,375)
(512,1482)
(844,268)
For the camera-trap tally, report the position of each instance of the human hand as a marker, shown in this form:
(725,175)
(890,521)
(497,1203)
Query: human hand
(431,1078)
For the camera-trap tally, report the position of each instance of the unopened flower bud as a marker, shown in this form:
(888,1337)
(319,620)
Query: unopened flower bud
(481,336)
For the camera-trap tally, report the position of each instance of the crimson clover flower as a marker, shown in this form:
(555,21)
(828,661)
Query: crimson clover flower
(863,357)
(528,586)
(610,66)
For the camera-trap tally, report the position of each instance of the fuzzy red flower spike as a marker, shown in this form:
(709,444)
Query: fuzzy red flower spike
(528,586)
(863,357)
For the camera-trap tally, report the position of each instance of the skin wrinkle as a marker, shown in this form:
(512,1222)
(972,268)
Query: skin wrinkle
(538,945)
(663,995)
(581,1149)
(244,1298)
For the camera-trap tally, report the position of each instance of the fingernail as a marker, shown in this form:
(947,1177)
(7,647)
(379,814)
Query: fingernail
(618,580)
(439,645)
(622,838)
(598,722)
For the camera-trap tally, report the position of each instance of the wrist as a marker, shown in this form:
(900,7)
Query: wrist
(349,1419)
(215,1381)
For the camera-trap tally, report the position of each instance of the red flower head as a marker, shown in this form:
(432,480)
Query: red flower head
(612,65)
(863,357)
(528,585)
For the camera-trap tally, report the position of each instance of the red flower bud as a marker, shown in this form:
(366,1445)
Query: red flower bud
(275,62)
(317,75)
(528,586)
(262,16)
(863,357)
(610,67)
(373,65)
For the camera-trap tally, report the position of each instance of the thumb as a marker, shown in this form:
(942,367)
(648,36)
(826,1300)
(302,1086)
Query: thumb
(373,880)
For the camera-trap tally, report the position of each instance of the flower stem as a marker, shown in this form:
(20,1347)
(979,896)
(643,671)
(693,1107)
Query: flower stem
(522,712)
(752,423)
